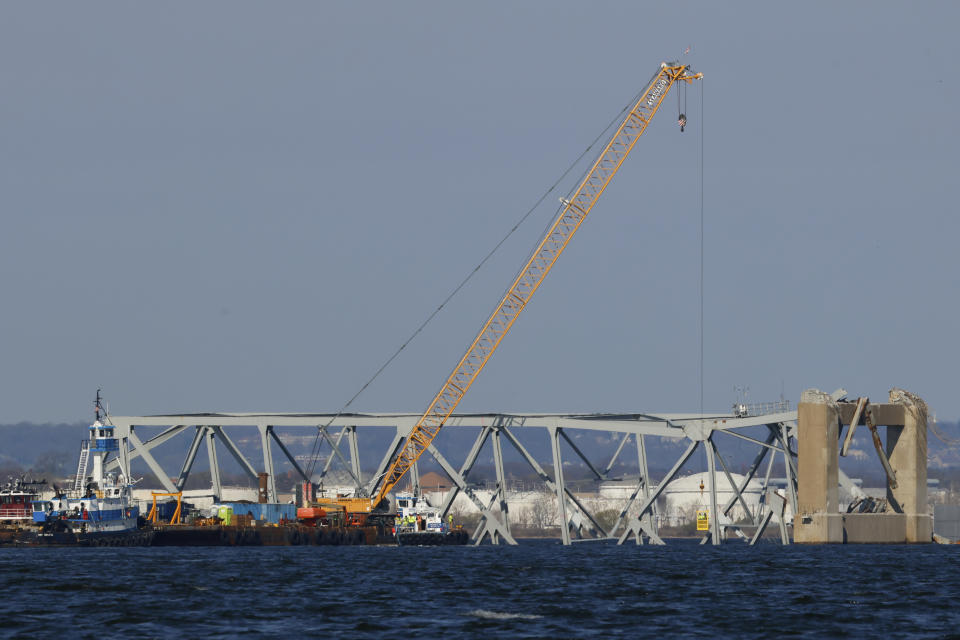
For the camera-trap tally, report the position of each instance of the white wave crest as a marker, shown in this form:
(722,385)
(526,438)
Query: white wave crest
(501,615)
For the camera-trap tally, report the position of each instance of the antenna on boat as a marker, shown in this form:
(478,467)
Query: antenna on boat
(99,407)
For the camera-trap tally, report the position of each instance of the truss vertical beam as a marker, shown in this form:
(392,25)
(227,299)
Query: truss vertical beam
(649,520)
(788,467)
(559,483)
(712,473)
(501,478)
(415,479)
(355,456)
(264,430)
(123,455)
(211,441)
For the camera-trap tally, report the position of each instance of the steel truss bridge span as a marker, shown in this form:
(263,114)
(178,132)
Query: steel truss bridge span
(636,519)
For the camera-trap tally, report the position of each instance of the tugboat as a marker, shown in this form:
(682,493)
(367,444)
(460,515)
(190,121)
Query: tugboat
(419,524)
(99,511)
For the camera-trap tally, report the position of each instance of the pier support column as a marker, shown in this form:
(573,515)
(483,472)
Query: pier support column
(817,518)
(907,453)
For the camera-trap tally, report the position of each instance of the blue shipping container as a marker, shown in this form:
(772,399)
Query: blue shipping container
(270,512)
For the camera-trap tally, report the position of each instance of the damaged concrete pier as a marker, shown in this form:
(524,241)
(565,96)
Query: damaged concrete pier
(904,458)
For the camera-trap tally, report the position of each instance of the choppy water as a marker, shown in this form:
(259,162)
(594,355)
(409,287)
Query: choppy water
(539,589)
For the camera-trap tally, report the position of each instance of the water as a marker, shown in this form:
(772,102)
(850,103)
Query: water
(539,589)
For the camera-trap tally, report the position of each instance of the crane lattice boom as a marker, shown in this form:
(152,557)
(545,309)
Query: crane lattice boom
(531,277)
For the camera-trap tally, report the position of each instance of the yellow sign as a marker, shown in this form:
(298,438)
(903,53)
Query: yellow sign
(703,520)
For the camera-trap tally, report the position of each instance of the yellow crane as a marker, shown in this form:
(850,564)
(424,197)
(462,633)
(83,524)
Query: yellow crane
(575,210)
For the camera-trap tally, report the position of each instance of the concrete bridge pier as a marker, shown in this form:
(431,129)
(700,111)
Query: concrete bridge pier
(820,421)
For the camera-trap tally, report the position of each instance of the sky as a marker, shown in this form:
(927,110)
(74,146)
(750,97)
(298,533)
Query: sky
(241,206)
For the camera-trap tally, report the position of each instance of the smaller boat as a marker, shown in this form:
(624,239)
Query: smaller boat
(16,498)
(419,524)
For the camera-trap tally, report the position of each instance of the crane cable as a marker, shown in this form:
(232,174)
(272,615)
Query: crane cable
(315,449)
(713,479)
(702,119)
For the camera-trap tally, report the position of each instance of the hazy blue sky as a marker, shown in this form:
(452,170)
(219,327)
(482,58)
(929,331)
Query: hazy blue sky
(248,206)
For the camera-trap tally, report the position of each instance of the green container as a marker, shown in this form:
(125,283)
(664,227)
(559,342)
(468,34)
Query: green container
(226,515)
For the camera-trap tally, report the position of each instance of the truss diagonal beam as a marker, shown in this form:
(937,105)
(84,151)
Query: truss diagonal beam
(465,468)
(340,456)
(576,450)
(287,453)
(236,453)
(491,524)
(733,485)
(191,457)
(752,470)
(326,466)
(158,471)
(616,454)
(148,445)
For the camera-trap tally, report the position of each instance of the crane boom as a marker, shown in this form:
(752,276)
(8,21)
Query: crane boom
(575,209)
